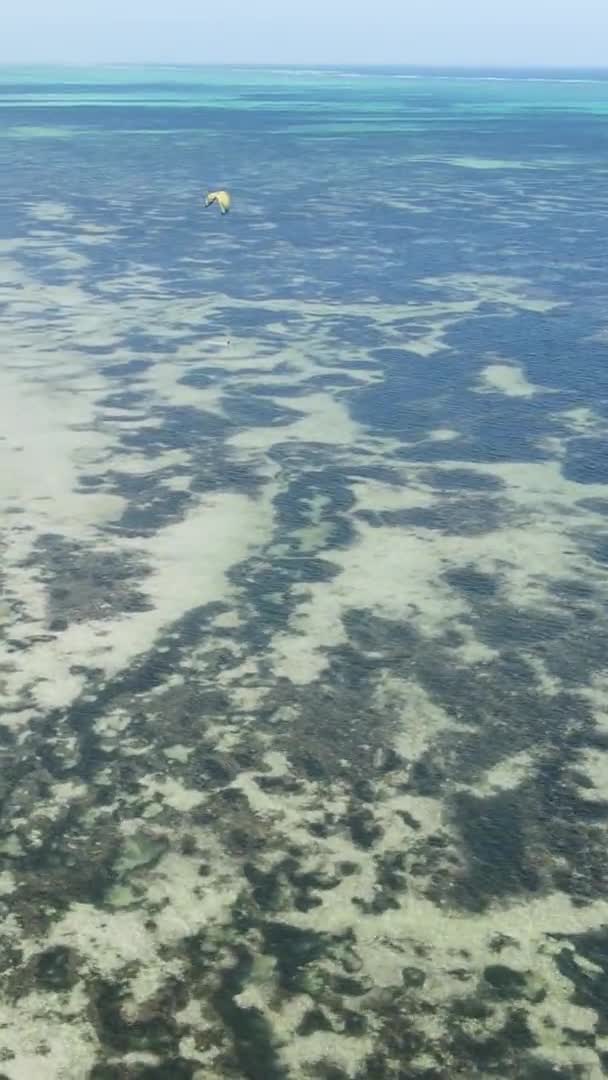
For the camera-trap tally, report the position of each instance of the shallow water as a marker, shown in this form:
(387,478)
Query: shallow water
(304,577)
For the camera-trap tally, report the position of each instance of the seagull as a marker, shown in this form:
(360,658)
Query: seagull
(222,198)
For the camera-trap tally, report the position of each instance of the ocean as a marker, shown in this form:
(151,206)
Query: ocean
(303,623)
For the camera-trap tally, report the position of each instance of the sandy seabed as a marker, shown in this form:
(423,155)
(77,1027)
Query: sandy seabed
(305,737)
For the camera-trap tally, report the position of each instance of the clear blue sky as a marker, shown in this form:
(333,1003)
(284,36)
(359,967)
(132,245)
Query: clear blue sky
(527,32)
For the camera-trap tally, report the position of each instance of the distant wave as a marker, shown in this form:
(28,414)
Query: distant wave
(450,76)
(481,78)
(592,77)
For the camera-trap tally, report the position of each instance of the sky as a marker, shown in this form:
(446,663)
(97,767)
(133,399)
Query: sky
(449,32)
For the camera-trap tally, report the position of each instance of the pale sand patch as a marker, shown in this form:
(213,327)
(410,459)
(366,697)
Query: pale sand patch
(191,1014)
(105,940)
(397,573)
(46,210)
(430,343)
(424,921)
(41,437)
(108,941)
(420,719)
(139,465)
(188,560)
(61,796)
(551,444)
(31,298)
(508,379)
(93,227)
(259,439)
(311,538)
(91,235)
(249,356)
(398,836)
(189,902)
(163,381)
(6,614)
(443,435)
(94,239)
(392,572)
(345,1051)
(382,314)
(389,941)
(142,1057)
(289,817)
(285,1016)
(277,762)
(113,723)
(494,288)
(540,542)
(10,927)
(10,269)
(471,651)
(228,620)
(261,802)
(55,1021)
(582,421)
(178,753)
(443,934)
(546,683)
(597,695)
(7,883)
(173,793)
(530,484)
(63,258)
(378,496)
(147,983)
(507,774)
(297,655)
(399,203)
(327,420)
(594,763)
(247,698)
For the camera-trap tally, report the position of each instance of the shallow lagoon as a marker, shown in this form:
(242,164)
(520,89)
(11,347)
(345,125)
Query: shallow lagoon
(305,564)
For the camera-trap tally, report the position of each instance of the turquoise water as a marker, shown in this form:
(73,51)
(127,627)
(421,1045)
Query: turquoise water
(304,580)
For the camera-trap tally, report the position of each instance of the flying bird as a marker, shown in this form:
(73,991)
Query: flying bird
(222,198)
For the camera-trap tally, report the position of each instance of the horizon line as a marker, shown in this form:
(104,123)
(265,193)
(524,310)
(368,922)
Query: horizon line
(324,65)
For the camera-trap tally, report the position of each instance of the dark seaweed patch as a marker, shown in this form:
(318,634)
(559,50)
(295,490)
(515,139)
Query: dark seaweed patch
(86,583)
(173,1068)
(454,516)
(472,582)
(254,1052)
(499,865)
(128,369)
(462,479)
(294,949)
(312,1021)
(155,1030)
(591,986)
(200,378)
(586,461)
(504,981)
(55,968)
